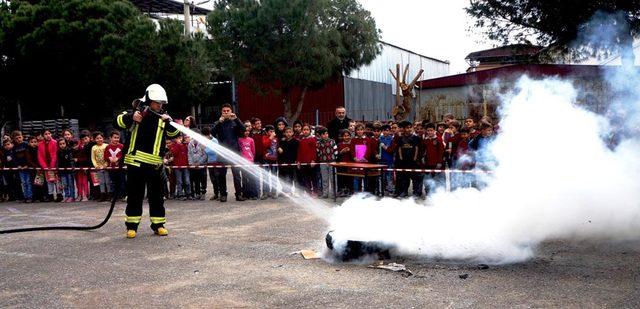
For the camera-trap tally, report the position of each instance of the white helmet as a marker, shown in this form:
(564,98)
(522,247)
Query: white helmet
(155,93)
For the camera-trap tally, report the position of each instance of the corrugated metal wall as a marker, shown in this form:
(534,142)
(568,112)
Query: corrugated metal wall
(368,99)
(378,69)
(368,92)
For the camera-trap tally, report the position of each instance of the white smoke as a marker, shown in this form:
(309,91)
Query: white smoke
(556,179)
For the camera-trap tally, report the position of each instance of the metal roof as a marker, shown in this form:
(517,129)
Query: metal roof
(166,7)
(511,73)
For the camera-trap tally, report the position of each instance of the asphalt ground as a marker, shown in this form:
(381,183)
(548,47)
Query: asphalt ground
(238,254)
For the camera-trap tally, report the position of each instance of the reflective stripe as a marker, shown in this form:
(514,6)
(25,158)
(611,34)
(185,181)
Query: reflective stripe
(159,131)
(134,134)
(120,121)
(128,160)
(133,219)
(142,158)
(172,133)
(155,159)
(158,220)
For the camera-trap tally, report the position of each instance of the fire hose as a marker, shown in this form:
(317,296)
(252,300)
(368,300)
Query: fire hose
(62,227)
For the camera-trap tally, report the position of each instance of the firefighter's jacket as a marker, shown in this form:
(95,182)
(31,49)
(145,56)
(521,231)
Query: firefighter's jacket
(146,144)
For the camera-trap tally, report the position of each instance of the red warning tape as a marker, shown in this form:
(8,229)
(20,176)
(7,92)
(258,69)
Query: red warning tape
(411,170)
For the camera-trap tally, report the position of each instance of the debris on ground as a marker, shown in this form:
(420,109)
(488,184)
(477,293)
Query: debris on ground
(463,276)
(308,254)
(483,266)
(392,267)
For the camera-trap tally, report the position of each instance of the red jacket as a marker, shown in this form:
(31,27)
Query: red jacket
(259,143)
(307,150)
(113,151)
(372,147)
(347,156)
(180,155)
(50,159)
(452,143)
(434,151)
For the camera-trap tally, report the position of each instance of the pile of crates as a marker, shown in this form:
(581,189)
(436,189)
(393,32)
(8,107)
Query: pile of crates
(54,125)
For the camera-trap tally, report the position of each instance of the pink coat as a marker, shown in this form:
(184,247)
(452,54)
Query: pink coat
(52,159)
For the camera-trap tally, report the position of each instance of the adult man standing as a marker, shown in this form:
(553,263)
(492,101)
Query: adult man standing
(148,124)
(340,122)
(227,130)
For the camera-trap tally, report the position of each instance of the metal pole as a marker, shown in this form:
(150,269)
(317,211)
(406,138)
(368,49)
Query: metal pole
(317,117)
(19,116)
(233,94)
(187,18)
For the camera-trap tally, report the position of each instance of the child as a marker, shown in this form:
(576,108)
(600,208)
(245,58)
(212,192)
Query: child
(180,161)
(32,162)
(395,130)
(170,181)
(258,135)
(433,157)
(406,150)
(287,154)
(462,161)
(470,125)
(352,127)
(48,158)
(361,142)
(98,161)
(345,183)
(197,157)
(451,142)
(308,156)
(280,125)
(270,146)
(67,134)
(478,146)
(21,151)
(65,160)
(83,161)
(212,162)
(386,158)
(11,182)
(297,129)
(248,152)
(113,155)
(327,153)
(88,143)
(440,128)
(363,152)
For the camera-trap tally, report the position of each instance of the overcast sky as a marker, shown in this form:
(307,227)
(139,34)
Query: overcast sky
(434,28)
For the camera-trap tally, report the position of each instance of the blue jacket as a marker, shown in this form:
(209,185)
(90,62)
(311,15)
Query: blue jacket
(385,157)
(212,157)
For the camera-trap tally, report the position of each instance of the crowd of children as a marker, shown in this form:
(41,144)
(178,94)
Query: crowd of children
(305,150)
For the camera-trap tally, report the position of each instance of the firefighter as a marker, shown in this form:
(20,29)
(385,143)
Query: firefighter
(148,125)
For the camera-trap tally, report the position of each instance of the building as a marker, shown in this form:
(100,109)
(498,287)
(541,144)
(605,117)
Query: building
(476,94)
(502,56)
(367,93)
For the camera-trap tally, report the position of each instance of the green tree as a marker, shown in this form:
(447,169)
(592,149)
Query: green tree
(281,45)
(93,57)
(575,28)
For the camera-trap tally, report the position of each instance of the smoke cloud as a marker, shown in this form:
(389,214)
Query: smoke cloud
(556,178)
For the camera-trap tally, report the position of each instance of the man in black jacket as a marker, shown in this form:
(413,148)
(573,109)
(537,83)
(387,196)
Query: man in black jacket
(149,127)
(227,130)
(340,122)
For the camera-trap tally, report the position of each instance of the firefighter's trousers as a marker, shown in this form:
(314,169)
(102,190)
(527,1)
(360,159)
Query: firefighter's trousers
(139,178)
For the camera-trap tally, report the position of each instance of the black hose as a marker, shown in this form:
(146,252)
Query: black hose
(73,228)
